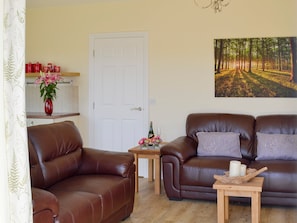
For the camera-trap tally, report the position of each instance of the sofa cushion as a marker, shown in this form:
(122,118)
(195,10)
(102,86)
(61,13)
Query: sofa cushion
(280,124)
(281,175)
(218,144)
(199,171)
(111,191)
(220,122)
(58,149)
(79,206)
(276,146)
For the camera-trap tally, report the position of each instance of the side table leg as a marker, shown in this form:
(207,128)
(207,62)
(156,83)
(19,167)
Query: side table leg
(157,175)
(136,172)
(256,207)
(150,170)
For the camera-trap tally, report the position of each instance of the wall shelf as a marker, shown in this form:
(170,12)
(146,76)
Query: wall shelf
(64,74)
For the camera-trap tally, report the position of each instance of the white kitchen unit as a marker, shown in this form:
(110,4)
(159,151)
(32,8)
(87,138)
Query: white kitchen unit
(39,118)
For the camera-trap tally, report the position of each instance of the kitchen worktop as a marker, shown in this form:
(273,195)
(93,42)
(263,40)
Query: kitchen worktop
(42,115)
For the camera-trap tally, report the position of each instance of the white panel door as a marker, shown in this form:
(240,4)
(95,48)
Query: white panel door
(118,90)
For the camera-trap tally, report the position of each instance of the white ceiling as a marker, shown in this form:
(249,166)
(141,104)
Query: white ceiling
(50,3)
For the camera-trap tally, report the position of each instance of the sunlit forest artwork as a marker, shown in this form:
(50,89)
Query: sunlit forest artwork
(256,67)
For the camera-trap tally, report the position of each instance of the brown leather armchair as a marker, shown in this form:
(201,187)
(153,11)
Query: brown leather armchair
(71,183)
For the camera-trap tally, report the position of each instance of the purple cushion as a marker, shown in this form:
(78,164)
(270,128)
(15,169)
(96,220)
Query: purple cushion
(218,144)
(276,146)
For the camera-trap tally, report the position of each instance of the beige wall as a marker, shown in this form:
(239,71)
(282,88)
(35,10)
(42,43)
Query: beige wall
(181,37)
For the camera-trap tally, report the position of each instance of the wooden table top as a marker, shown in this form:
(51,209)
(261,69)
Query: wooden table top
(145,150)
(254,184)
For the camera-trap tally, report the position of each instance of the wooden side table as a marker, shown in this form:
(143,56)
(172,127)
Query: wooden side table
(252,189)
(153,156)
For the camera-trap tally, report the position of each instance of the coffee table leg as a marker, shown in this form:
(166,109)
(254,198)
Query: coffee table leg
(256,207)
(226,208)
(221,205)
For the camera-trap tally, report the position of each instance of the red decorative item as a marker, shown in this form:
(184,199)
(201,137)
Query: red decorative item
(37,67)
(48,106)
(28,68)
(57,69)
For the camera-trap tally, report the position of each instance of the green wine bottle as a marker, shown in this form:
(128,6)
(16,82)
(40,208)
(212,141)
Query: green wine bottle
(151,131)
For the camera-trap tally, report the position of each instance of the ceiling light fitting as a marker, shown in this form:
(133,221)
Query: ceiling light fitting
(216,5)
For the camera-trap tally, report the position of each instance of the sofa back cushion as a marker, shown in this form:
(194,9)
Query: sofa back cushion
(276,137)
(55,152)
(219,144)
(219,122)
(279,124)
(37,179)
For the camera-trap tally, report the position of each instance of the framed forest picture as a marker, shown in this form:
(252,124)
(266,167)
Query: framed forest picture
(256,67)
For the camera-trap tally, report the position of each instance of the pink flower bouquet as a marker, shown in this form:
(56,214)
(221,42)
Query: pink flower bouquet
(48,84)
(155,141)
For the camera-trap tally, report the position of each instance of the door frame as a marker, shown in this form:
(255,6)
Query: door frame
(92,38)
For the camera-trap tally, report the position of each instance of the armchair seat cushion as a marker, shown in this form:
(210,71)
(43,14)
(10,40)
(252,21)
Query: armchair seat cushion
(111,197)
(82,207)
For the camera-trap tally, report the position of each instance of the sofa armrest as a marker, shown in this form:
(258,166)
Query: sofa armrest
(45,205)
(107,162)
(183,148)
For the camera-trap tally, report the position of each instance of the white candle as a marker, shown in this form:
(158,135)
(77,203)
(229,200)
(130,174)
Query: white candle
(234,168)
(242,170)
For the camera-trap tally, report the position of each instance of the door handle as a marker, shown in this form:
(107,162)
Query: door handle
(136,109)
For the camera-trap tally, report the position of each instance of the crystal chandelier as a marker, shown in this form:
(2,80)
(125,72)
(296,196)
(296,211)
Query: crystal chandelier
(217,5)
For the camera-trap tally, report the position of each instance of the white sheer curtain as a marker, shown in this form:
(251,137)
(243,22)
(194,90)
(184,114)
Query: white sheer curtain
(15,189)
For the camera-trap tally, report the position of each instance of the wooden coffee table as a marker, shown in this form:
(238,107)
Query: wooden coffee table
(153,156)
(252,189)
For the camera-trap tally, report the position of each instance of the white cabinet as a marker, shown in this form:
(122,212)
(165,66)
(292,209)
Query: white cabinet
(39,119)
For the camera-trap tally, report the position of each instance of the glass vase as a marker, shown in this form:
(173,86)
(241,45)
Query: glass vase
(48,106)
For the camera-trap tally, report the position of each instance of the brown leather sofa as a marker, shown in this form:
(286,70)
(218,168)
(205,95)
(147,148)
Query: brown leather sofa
(73,184)
(190,176)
